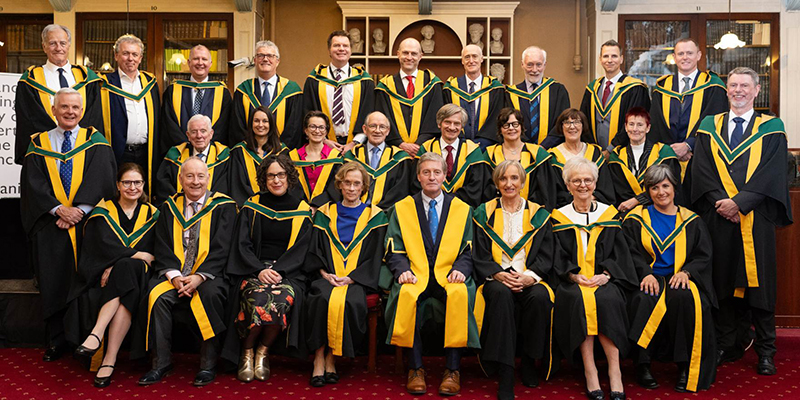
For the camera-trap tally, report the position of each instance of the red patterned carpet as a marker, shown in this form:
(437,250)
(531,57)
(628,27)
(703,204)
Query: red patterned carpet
(24,376)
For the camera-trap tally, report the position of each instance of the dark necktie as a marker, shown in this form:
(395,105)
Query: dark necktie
(606,93)
(62,79)
(190,243)
(449,160)
(265,97)
(65,171)
(338,107)
(533,112)
(433,219)
(198,102)
(470,109)
(410,87)
(738,132)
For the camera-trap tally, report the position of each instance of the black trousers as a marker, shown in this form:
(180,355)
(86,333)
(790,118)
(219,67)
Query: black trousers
(736,314)
(136,154)
(452,356)
(161,332)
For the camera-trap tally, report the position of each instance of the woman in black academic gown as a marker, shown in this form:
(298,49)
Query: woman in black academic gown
(597,271)
(514,249)
(542,179)
(671,314)
(114,267)
(628,164)
(316,162)
(261,140)
(345,256)
(265,266)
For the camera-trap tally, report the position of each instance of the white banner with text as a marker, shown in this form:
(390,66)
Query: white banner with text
(9,172)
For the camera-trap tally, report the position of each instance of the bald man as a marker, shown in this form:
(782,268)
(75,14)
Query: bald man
(410,99)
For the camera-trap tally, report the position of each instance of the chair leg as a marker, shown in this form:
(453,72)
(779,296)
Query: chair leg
(373,340)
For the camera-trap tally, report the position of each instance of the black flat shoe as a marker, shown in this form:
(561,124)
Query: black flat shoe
(104,381)
(331,377)
(154,375)
(317,381)
(54,352)
(617,396)
(766,366)
(204,377)
(726,356)
(644,377)
(528,374)
(595,394)
(683,379)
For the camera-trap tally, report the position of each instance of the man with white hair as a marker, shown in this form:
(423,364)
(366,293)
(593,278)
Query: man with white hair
(34,98)
(200,144)
(66,171)
(283,97)
(540,99)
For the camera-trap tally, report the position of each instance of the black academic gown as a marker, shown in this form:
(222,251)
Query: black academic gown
(492,99)
(628,92)
(176,109)
(34,109)
(337,317)
(246,261)
(470,175)
(167,182)
(604,187)
(541,177)
(687,332)
(243,171)
(391,182)
(762,195)
(507,314)
(286,105)
(55,251)
(553,98)
(416,121)
(628,185)
(315,96)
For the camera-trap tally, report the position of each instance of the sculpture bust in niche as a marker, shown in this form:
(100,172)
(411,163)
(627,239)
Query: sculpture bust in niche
(427,42)
(378,45)
(356,44)
(498,71)
(475,35)
(496,46)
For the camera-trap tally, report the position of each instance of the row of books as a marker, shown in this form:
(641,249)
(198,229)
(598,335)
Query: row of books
(109,31)
(722,61)
(755,33)
(187,76)
(176,60)
(196,29)
(18,64)
(97,54)
(24,37)
(648,34)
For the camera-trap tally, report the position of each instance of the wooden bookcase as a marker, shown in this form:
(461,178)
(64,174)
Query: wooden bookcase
(22,38)
(648,41)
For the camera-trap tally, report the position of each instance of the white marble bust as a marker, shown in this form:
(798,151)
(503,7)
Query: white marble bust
(476,34)
(496,45)
(378,45)
(356,44)
(498,71)
(427,42)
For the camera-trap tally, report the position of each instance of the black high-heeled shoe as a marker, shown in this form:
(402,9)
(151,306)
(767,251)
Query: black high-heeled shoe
(331,377)
(595,394)
(85,354)
(104,381)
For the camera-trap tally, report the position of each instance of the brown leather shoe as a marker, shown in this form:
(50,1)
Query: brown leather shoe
(451,383)
(416,381)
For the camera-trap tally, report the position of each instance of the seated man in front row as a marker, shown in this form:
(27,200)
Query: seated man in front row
(190,270)
(422,269)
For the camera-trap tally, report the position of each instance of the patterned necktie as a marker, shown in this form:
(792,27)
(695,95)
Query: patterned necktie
(190,242)
(433,219)
(198,102)
(738,132)
(606,93)
(375,158)
(265,97)
(686,86)
(449,160)
(65,171)
(62,79)
(410,87)
(338,107)
(471,109)
(533,112)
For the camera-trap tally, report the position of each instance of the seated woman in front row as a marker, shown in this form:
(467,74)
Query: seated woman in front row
(672,253)
(597,270)
(117,253)
(345,254)
(265,267)
(514,249)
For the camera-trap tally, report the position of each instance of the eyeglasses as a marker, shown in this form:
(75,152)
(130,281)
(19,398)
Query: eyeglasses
(572,123)
(280,176)
(578,182)
(130,184)
(514,125)
(271,57)
(317,128)
(380,128)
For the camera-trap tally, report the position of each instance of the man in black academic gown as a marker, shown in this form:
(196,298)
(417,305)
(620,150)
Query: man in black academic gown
(199,144)
(190,271)
(131,107)
(184,99)
(606,100)
(39,84)
(66,171)
(416,93)
(740,190)
(282,95)
(482,97)
(540,100)
(345,93)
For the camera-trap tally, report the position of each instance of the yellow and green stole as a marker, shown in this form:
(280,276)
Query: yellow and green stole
(543,91)
(658,154)
(34,77)
(458,313)
(176,204)
(284,90)
(334,157)
(320,74)
(587,262)
(297,216)
(177,97)
(345,260)
(469,153)
(653,244)
(386,85)
(593,153)
(389,160)
(85,139)
(614,105)
(488,84)
(724,156)
(218,154)
(251,162)
(531,157)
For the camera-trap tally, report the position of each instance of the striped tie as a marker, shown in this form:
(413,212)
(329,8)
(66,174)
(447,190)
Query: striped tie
(533,112)
(65,170)
(338,107)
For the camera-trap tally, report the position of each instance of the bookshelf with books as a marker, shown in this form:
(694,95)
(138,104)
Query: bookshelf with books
(22,36)
(181,35)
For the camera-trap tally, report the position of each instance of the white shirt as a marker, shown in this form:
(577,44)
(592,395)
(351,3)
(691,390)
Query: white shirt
(204,152)
(51,76)
(636,154)
(194,92)
(273,86)
(444,144)
(56,140)
(512,231)
(403,76)
(342,129)
(187,213)
(613,81)
(583,219)
(732,125)
(439,201)
(136,110)
(478,82)
(692,76)
(380,148)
